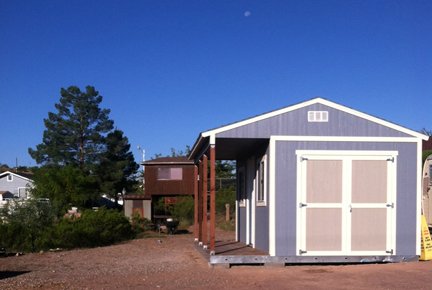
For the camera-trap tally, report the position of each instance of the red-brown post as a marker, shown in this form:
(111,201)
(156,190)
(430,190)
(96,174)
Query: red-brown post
(204,194)
(200,203)
(196,225)
(212,197)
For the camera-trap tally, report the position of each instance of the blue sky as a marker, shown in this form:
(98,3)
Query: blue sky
(171,69)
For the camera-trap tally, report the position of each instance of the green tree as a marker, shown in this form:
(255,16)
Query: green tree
(117,168)
(179,153)
(65,186)
(225,169)
(174,153)
(74,135)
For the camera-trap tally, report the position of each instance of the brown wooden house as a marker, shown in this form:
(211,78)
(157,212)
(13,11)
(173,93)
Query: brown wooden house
(168,178)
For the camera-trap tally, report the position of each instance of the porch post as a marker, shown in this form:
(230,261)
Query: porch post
(212,198)
(200,204)
(204,195)
(196,225)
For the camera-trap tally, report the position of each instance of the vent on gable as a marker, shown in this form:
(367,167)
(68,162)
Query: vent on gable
(317,116)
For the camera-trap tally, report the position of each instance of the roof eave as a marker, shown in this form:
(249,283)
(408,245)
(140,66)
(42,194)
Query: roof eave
(196,147)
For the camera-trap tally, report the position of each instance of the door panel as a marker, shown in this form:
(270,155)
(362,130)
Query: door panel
(323,229)
(369,229)
(369,181)
(324,181)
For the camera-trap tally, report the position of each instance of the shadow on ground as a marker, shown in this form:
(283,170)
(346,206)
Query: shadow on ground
(11,274)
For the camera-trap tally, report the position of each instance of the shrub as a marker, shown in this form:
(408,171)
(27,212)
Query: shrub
(140,224)
(24,225)
(183,210)
(92,229)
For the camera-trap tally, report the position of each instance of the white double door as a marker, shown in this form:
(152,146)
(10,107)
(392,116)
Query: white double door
(346,203)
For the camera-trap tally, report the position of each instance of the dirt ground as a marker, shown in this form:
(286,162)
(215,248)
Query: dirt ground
(172,262)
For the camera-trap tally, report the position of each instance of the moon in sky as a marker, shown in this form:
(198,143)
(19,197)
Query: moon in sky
(247,13)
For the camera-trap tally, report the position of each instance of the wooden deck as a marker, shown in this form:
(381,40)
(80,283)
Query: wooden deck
(228,248)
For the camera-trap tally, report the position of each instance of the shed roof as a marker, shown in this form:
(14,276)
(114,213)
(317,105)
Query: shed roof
(210,135)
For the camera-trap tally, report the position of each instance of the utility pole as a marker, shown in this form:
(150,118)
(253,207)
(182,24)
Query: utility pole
(143,160)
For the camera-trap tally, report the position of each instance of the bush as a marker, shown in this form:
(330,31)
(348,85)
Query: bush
(94,228)
(183,210)
(25,225)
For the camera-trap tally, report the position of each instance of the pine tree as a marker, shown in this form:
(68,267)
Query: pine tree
(117,167)
(74,135)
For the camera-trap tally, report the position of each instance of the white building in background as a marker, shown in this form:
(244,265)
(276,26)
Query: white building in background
(14,186)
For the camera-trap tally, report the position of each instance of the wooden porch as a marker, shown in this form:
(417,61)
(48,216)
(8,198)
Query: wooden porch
(215,248)
(229,248)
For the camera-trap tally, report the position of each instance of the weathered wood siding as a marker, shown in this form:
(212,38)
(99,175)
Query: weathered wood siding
(153,186)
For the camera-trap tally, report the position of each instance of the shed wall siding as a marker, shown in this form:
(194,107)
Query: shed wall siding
(242,224)
(262,228)
(295,123)
(285,191)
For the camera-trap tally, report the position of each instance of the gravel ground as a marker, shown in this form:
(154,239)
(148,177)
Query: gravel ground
(172,262)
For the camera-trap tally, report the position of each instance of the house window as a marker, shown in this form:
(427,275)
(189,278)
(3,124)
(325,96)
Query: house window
(261,180)
(318,116)
(167,173)
(10,178)
(241,188)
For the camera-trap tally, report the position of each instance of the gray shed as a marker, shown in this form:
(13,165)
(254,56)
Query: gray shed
(317,182)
